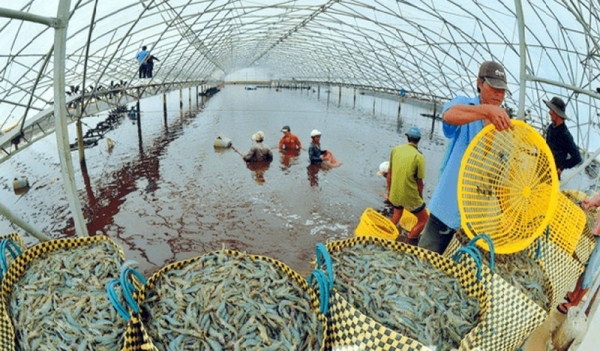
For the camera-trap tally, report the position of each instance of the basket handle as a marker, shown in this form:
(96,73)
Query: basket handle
(490,243)
(114,300)
(323,257)
(538,250)
(13,249)
(474,253)
(128,288)
(324,288)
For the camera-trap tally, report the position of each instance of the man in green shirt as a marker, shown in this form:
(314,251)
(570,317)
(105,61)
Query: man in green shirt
(405,181)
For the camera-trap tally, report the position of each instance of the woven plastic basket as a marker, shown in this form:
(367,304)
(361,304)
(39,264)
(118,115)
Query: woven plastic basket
(507,187)
(372,223)
(567,224)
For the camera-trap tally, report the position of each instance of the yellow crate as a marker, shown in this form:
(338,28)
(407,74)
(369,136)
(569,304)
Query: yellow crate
(373,223)
(507,187)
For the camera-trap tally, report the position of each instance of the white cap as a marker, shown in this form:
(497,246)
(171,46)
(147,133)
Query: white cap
(384,167)
(314,133)
(259,136)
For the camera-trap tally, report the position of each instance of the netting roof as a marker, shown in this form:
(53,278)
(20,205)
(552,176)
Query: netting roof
(428,48)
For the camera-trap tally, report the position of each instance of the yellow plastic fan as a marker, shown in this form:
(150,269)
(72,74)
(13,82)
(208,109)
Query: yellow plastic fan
(507,187)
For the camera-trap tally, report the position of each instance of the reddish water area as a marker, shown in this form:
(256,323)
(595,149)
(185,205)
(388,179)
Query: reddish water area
(165,193)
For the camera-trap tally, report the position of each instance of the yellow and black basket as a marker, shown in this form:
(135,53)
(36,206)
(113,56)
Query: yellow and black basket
(351,328)
(512,316)
(137,338)
(19,267)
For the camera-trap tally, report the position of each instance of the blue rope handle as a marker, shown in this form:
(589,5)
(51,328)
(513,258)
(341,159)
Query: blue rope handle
(13,249)
(323,257)
(114,300)
(128,288)
(474,253)
(490,243)
(323,283)
(538,251)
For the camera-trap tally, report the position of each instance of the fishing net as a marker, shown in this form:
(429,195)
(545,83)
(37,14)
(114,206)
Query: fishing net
(330,160)
(358,312)
(54,295)
(229,300)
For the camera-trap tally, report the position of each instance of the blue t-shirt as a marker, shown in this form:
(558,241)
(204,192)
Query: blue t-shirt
(444,201)
(141,56)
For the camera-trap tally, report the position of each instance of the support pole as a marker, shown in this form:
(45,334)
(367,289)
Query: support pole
(433,118)
(6,212)
(340,96)
(190,99)
(180,103)
(398,118)
(354,100)
(60,117)
(374,99)
(165,107)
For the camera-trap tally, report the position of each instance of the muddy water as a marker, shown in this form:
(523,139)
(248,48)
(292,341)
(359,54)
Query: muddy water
(167,194)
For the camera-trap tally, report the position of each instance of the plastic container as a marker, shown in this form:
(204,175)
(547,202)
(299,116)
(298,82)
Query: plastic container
(507,187)
(222,142)
(372,223)
(20,185)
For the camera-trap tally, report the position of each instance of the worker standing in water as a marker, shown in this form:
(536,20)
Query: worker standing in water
(405,182)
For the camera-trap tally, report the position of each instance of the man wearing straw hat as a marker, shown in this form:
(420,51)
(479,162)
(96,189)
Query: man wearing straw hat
(259,151)
(559,139)
(463,118)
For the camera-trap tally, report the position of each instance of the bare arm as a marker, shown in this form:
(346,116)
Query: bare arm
(459,115)
(592,202)
(420,187)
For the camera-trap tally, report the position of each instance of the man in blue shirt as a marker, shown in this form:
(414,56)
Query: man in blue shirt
(463,118)
(142,56)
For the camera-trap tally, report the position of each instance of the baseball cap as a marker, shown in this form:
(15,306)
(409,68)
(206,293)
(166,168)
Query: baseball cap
(314,133)
(557,105)
(414,132)
(384,167)
(285,129)
(494,74)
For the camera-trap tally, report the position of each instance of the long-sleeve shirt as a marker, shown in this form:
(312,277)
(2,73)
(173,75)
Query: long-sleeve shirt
(259,152)
(314,153)
(566,153)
